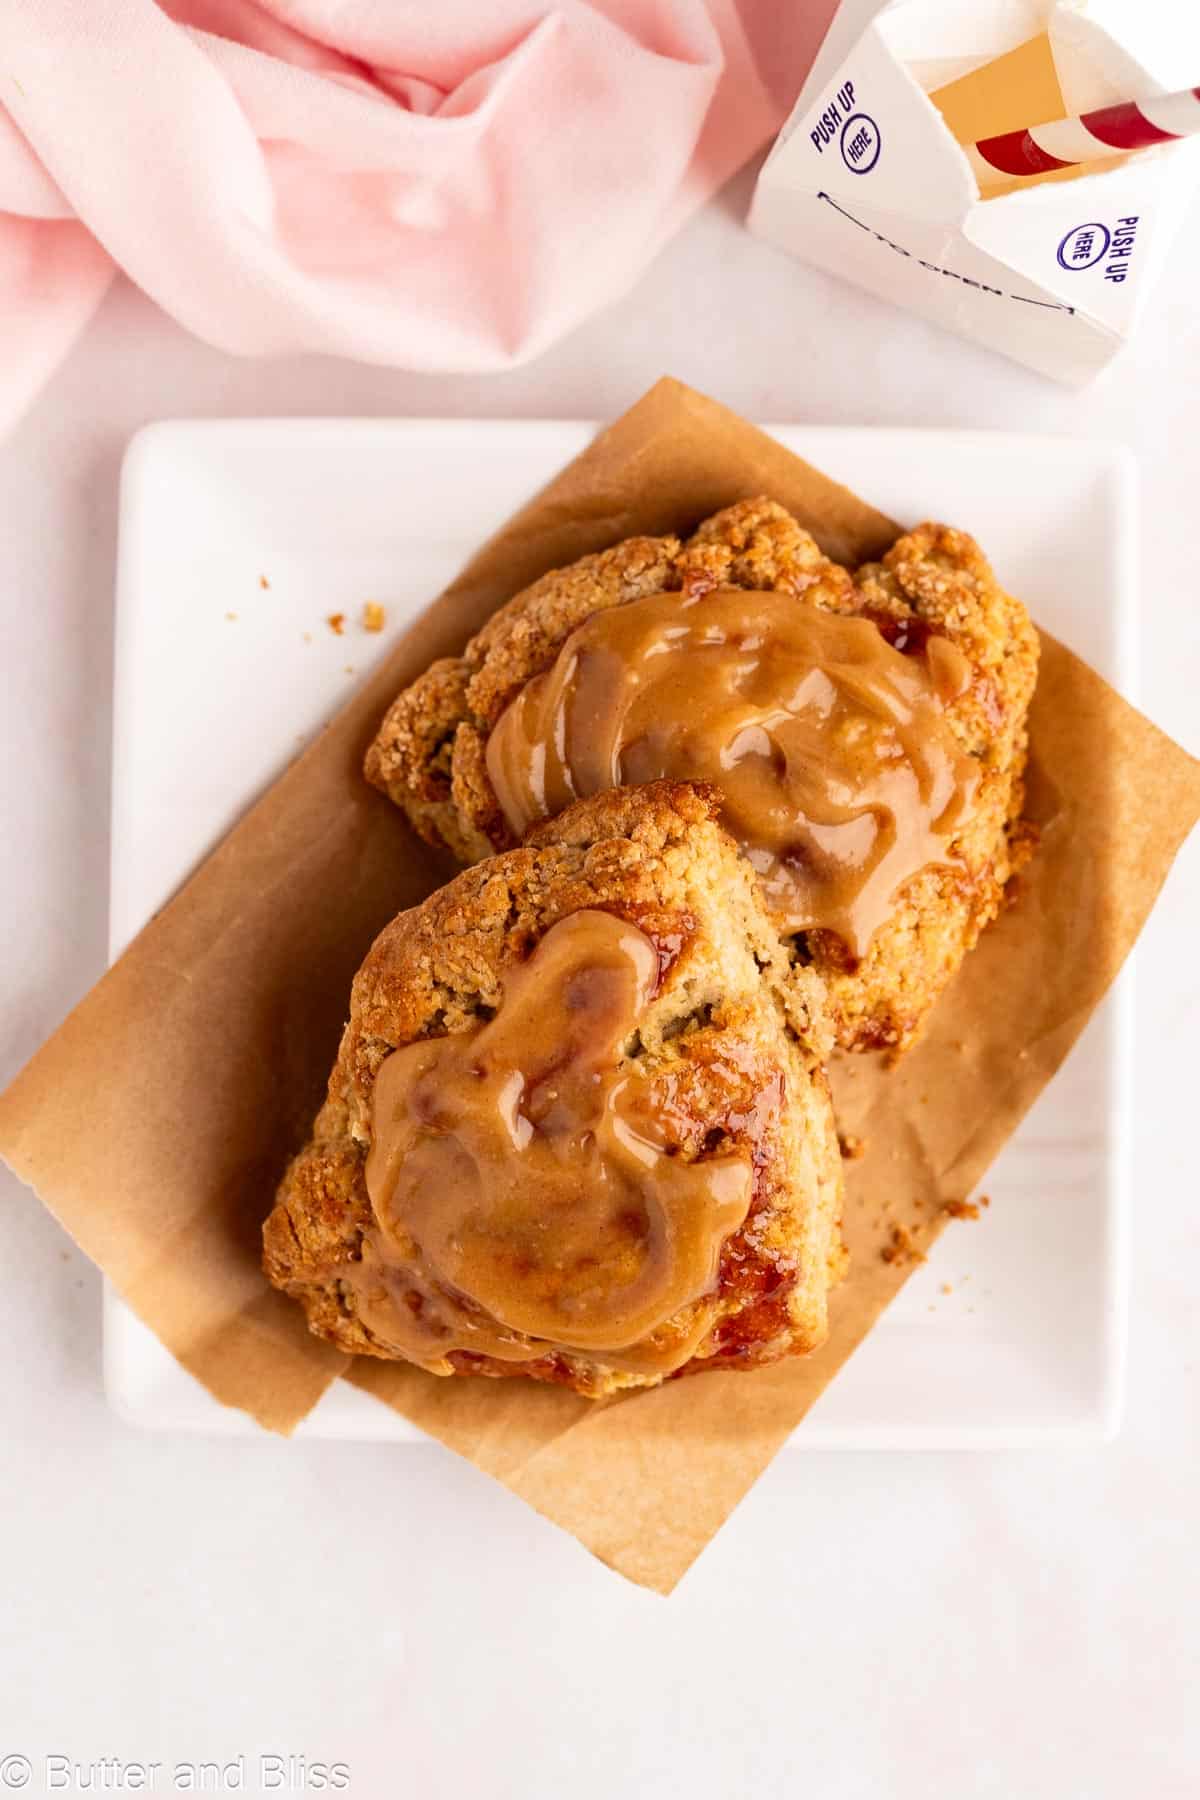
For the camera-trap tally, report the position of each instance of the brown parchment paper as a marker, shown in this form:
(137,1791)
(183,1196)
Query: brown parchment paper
(156,1121)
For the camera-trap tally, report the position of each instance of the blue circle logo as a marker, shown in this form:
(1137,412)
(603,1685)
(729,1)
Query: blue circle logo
(860,143)
(1084,247)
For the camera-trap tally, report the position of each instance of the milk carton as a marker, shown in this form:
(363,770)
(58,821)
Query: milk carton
(870,178)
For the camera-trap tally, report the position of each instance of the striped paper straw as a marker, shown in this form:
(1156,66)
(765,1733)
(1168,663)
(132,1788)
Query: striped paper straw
(1064,143)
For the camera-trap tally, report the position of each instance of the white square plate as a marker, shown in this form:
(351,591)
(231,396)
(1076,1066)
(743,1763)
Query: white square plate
(240,538)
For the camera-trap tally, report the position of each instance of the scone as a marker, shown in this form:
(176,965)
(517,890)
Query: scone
(867,732)
(578,1127)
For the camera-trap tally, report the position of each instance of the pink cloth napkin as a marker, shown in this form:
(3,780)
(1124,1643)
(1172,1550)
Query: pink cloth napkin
(436,184)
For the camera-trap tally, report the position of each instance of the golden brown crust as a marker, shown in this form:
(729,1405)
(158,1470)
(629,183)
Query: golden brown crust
(937,579)
(525,635)
(734,1015)
(430,758)
(759,546)
(428,753)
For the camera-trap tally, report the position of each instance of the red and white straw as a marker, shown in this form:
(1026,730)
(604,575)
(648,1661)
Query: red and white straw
(1064,143)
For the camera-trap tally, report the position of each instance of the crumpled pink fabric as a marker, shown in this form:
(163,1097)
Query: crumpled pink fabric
(434,184)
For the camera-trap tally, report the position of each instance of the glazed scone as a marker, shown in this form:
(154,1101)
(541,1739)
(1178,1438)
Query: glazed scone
(471,749)
(579,1127)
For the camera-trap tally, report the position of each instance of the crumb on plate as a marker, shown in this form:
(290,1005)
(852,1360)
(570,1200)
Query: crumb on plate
(902,1248)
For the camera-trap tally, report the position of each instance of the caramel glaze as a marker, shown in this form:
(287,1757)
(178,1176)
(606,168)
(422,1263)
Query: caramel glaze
(526,1188)
(841,775)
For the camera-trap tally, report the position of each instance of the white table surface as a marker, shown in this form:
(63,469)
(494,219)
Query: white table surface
(975,1624)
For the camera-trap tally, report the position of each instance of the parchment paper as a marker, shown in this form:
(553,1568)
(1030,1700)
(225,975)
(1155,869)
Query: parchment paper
(157,1120)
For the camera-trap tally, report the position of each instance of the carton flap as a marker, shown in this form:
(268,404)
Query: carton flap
(1123,50)
(941,40)
(1091,242)
(872,137)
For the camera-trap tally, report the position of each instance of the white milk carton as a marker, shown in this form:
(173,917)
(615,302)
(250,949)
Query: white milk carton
(869,178)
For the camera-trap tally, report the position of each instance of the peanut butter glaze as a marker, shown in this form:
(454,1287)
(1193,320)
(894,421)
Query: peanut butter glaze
(525,1190)
(842,778)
